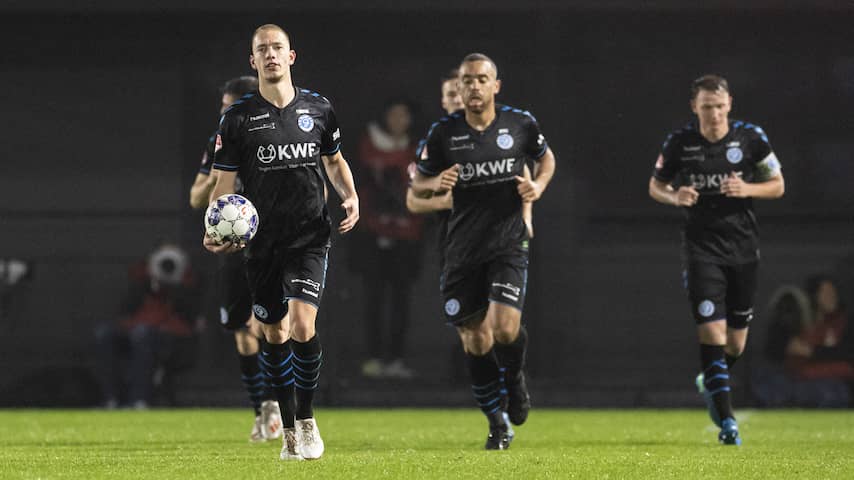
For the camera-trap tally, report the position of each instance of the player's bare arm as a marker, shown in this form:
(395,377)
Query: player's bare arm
(734,186)
(532,189)
(200,192)
(432,203)
(445,181)
(338,171)
(224,185)
(663,193)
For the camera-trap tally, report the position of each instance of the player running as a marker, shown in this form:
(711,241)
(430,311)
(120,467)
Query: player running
(233,292)
(275,139)
(480,153)
(713,168)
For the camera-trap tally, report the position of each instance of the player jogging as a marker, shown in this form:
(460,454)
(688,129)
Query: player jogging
(480,152)
(713,168)
(275,139)
(233,293)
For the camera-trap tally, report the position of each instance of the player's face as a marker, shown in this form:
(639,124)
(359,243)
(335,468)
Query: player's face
(398,119)
(227,100)
(451,99)
(478,85)
(271,55)
(712,108)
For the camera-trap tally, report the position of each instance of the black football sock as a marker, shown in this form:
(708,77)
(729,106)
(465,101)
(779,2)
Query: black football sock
(716,378)
(253,380)
(730,360)
(486,385)
(308,357)
(511,356)
(276,361)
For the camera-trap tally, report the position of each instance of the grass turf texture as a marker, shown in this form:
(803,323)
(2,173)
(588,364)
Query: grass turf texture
(435,444)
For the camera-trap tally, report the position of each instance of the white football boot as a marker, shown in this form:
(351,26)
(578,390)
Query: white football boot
(257,433)
(290,445)
(310,443)
(271,419)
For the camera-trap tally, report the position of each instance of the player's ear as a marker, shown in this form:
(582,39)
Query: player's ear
(292,57)
(497,85)
(252,62)
(693,104)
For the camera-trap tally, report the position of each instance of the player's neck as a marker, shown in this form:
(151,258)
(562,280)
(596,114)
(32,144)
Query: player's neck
(279,94)
(480,121)
(713,134)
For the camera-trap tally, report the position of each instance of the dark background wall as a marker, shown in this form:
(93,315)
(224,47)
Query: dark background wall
(106,108)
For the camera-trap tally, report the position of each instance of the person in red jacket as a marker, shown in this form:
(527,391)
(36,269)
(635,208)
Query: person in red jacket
(389,257)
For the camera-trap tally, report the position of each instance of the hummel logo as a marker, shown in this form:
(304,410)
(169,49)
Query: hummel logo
(260,117)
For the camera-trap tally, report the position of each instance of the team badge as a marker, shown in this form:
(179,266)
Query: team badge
(260,311)
(734,155)
(504,141)
(452,307)
(706,308)
(305,123)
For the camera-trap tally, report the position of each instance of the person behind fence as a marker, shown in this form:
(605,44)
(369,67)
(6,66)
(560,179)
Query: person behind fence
(154,336)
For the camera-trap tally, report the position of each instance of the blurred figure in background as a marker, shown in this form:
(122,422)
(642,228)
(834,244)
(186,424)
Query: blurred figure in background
(235,302)
(811,349)
(389,252)
(154,337)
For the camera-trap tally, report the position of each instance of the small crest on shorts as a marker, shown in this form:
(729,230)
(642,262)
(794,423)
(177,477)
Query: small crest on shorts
(305,123)
(706,308)
(260,311)
(452,307)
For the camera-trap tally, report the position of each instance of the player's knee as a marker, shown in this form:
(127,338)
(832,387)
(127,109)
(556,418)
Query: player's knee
(276,333)
(476,342)
(302,331)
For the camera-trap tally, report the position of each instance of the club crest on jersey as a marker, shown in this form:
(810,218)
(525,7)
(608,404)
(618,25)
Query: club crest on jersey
(504,141)
(452,307)
(706,308)
(734,155)
(260,311)
(305,123)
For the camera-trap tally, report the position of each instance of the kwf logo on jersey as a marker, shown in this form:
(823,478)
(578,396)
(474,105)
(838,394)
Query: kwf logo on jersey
(702,181)
(291,151)
(487,169)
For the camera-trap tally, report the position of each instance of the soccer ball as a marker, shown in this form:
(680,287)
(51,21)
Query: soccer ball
(231,218)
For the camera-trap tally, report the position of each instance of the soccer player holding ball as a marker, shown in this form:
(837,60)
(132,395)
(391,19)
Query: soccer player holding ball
(276,140)
(480,153)
(713,168)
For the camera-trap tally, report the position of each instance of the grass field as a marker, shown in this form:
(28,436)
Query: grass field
(408,444)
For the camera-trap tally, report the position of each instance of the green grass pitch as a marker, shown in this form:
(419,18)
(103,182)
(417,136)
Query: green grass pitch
(436,444)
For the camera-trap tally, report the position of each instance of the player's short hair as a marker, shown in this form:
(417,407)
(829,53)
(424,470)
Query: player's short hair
(710,83)
(480,57)
(268,26)
(452,74)
(240,86)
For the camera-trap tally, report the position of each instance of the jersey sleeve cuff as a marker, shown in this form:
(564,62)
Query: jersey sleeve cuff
(542,152)
(426,171)
(661,178)
(227,168)
(333,151)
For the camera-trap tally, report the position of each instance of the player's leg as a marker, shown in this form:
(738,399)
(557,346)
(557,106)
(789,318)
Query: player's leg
(303,287)
(271,418)
(741,294)
(707,287)
(466,302)
(265,283)
(508,284)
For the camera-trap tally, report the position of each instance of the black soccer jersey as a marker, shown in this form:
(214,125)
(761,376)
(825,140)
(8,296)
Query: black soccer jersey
(208,160)
(277,155)
(718,229)
(486,220)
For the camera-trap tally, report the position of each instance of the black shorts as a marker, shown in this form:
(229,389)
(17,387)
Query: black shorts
(235,301)
(289,275)
(720,292)
(467,290)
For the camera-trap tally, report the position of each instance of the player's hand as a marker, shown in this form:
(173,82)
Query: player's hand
(448,178)
(226,247)
(686,196)
(351,208)
(529,190)
(734,186)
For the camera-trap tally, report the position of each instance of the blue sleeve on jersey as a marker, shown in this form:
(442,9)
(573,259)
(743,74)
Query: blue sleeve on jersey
(331,138)
(227,144)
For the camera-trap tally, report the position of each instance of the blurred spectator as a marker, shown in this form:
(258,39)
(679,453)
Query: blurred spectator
(810,347)
(388,253)
(154,336)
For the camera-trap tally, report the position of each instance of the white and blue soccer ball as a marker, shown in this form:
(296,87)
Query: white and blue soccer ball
(231,218)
